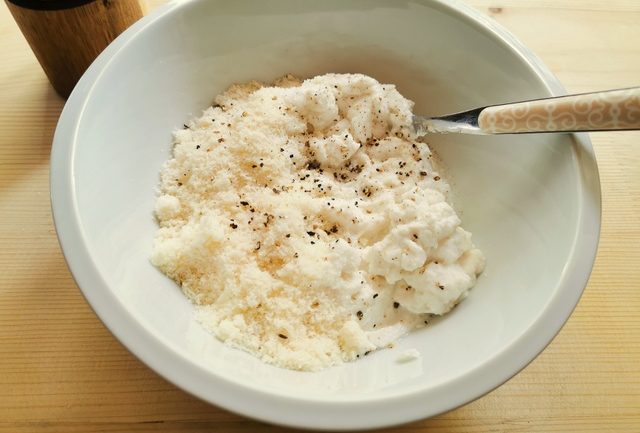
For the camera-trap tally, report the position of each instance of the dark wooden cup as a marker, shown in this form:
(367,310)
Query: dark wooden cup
(67,35)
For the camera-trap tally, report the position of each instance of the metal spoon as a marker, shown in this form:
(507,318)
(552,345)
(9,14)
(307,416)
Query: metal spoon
(611,110)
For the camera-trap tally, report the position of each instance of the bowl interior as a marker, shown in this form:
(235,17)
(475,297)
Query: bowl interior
(517,194)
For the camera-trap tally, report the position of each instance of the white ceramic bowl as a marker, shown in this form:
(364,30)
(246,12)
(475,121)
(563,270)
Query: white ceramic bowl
(532,202)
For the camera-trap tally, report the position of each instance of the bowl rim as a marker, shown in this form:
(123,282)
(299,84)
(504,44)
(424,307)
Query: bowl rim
(319,413)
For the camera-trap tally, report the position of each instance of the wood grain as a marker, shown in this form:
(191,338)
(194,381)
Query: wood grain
(62,371)
(66,41)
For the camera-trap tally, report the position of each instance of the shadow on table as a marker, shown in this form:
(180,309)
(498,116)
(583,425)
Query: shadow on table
(29,111)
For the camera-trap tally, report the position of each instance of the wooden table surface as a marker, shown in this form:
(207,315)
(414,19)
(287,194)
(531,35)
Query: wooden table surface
(62,371)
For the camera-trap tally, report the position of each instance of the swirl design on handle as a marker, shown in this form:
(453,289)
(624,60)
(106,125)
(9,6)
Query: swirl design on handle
(631,111)
(616,109)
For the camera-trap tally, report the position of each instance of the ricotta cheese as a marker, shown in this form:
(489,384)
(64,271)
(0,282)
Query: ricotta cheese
(308,223)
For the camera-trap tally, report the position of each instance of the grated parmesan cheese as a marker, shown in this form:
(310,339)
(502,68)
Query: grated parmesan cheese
(308,224)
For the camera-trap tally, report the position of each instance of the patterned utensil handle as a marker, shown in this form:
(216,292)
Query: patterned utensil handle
(599,111)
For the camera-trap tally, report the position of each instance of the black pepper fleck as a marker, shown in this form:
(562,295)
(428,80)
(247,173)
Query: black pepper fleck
(313,165)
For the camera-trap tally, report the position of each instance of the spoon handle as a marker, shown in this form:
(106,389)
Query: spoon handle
(598,111)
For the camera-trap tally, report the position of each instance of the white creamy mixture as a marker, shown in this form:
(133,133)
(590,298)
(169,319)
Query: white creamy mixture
(308,224)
